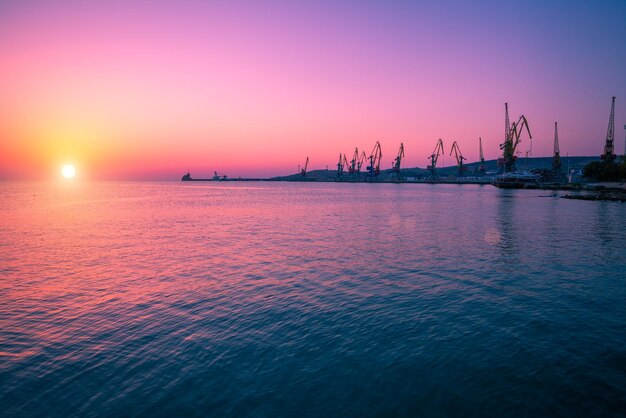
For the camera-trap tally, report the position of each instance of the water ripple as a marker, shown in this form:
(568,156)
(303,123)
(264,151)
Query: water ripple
(233,299)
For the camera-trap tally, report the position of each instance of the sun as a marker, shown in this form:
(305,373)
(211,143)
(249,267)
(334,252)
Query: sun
(68,171)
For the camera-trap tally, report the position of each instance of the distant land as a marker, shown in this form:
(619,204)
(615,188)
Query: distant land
(530,163)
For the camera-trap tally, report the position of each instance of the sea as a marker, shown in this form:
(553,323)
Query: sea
(276,299)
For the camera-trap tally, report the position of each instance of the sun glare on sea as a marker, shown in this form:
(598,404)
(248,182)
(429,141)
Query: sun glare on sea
(68,171)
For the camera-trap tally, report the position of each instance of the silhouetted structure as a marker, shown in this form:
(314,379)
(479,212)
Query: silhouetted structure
(481,167)
(556,157)
(511,140)
(434,157)
(341,165)
(375,157)
(459,158)
(395,166)
(306,165)
(609,151)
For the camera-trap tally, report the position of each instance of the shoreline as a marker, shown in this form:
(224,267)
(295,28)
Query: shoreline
(613,192)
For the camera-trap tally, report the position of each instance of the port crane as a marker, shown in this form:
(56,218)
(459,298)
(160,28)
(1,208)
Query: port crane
(434,157)
(361,161)
(513,133)
(357,161)
(556,157)
(481,166)
(374,158)
(459,158)
(395,165)
(219,176)
(609,151)
(306,165)
(353,161)
(342,164)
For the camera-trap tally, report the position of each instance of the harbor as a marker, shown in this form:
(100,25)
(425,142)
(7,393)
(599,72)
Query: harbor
(508,171)
(296,209)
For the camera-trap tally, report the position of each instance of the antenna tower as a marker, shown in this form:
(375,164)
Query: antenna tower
(481,166)
(556,158)
(609,152)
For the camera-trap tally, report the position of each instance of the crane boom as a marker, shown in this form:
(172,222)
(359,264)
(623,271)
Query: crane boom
(342,164)
(435,156)
(459,157)
(306,165)
(374,158)
(353,162)
(512,140)
(395,165)
(360,162)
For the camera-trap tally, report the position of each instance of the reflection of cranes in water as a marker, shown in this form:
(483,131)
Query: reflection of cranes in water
(506,236)
(459,158)
(434,157)
(513,133)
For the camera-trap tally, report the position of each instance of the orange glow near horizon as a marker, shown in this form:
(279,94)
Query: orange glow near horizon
(248,91)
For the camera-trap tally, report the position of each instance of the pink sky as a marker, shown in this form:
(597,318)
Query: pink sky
(139,90)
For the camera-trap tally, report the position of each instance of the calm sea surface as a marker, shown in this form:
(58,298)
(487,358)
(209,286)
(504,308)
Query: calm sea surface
(286,299)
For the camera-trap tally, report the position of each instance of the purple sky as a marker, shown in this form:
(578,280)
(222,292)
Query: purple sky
(150,89)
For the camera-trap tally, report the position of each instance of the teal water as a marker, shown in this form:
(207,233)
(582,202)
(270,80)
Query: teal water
(287,299)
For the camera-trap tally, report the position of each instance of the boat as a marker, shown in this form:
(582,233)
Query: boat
(516,180)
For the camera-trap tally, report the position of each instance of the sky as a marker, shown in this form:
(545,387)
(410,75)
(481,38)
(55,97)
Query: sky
(130,90)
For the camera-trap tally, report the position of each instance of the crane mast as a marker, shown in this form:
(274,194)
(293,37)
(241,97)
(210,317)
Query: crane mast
(512,140)
(609,151)
(434,157)
(459,157)
(374,158)
(507,125)
(481,166)
(556,157)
